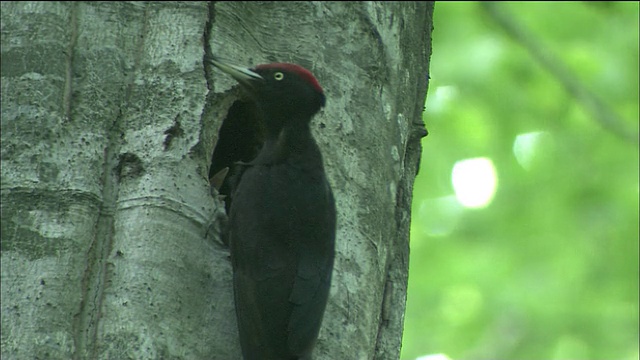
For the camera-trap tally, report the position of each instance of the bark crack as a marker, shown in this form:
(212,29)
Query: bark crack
(73,40)
(206,36)
(87,321)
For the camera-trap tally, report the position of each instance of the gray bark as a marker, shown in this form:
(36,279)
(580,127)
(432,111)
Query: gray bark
(110,237)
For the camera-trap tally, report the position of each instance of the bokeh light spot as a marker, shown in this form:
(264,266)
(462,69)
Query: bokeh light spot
(475,182)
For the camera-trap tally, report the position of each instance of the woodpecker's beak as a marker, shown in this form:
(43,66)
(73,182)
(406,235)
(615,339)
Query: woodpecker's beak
(243,75)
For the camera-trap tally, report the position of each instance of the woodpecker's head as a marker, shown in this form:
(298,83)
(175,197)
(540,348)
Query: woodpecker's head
(284,92)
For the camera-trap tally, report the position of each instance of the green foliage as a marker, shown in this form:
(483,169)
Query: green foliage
(549,269)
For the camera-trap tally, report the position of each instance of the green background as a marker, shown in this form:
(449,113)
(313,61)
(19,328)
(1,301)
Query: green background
(549,269)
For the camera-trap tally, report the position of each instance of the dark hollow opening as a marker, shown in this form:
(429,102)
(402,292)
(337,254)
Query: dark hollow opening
(239,140)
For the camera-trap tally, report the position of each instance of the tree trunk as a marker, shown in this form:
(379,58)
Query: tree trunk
(110,238)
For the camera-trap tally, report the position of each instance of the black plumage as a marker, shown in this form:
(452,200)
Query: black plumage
(282,219)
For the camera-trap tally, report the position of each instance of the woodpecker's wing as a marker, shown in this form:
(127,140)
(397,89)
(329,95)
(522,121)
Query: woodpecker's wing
(313,278)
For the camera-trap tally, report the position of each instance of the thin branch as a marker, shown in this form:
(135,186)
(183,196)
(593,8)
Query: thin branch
(600,111)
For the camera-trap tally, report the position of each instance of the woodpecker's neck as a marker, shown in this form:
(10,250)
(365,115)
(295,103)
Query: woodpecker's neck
(293,144)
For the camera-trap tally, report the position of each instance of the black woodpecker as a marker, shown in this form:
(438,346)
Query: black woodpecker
(282,220)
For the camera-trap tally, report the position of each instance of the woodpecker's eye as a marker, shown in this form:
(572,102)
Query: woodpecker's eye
(278,76)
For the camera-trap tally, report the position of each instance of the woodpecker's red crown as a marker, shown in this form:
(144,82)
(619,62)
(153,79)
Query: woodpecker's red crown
(296,69)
